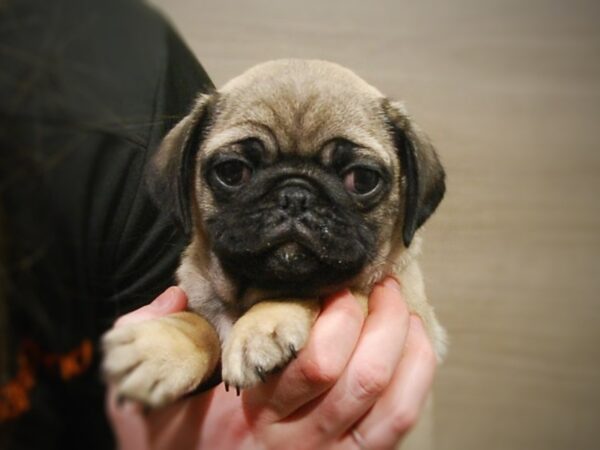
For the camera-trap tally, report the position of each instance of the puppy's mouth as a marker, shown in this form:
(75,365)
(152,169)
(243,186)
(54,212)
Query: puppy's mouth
(290,251)
(295,260)
(289,237)
(289,254)
(290,258)
(290,268)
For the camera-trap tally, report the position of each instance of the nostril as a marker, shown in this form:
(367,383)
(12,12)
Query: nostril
(284,201)
(294,199)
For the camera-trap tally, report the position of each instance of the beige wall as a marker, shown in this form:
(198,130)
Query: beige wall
(510,92)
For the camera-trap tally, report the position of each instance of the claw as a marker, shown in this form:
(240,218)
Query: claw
(226,386)
(237,391)
(261,373)
(121,400)
(293,351)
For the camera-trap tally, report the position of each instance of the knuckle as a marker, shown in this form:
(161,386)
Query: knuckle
(371,380)
(329,419)
(403,420)
(320,373)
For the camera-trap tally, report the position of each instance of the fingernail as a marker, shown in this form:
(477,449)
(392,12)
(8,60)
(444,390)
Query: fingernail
(392,283)
(415,321)
(166,299)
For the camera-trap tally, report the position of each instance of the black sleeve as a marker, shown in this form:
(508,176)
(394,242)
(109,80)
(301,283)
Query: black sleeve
(87,91)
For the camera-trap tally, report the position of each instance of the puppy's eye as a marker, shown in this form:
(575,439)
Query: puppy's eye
(233,173)
(361,181)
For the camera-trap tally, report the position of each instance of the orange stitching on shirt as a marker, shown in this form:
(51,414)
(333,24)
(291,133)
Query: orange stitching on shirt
(14,395)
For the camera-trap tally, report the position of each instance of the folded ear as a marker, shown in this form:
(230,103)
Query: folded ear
(423,177)
(171,171)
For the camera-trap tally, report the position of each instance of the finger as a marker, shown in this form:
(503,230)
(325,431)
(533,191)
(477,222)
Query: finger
(400,406)
(170,301)
(371,368)
(321,362)
(127,422)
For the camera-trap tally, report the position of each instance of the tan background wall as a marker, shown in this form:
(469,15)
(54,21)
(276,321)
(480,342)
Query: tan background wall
(510,92)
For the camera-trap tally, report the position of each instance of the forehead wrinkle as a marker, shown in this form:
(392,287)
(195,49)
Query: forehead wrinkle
(279,124)
(304,128)
(255,111)
(350,123)
(313,120)
(237,132)
(272,112)
(302,115)
(262,130)
(287,112)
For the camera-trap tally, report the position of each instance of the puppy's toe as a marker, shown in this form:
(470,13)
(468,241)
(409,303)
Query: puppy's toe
(120,361)
(138,383)
(249,355)
(118,336)
(261,343)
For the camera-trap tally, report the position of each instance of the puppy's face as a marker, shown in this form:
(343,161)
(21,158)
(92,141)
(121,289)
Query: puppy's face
(299,177)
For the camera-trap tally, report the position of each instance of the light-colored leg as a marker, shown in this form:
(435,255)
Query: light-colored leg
(265,338)
(159,360)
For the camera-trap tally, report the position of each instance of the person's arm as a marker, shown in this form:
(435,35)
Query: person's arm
(359,383)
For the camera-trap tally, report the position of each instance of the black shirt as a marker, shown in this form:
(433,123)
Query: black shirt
(87,91)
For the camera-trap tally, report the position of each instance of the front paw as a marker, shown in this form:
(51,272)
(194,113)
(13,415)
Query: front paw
(159,360)
(265,339)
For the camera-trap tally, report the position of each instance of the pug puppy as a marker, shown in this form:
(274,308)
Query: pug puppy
(295,180)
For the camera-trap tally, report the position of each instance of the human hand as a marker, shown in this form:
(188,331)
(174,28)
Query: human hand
(128,421)
(359,383)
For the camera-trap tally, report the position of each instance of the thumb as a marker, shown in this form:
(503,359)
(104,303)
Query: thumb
(171,301)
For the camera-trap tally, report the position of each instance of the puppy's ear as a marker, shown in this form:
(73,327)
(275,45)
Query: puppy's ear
(171,172)
(423,176)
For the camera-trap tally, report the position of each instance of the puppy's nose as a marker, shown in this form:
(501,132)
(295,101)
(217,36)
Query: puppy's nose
(295,199)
